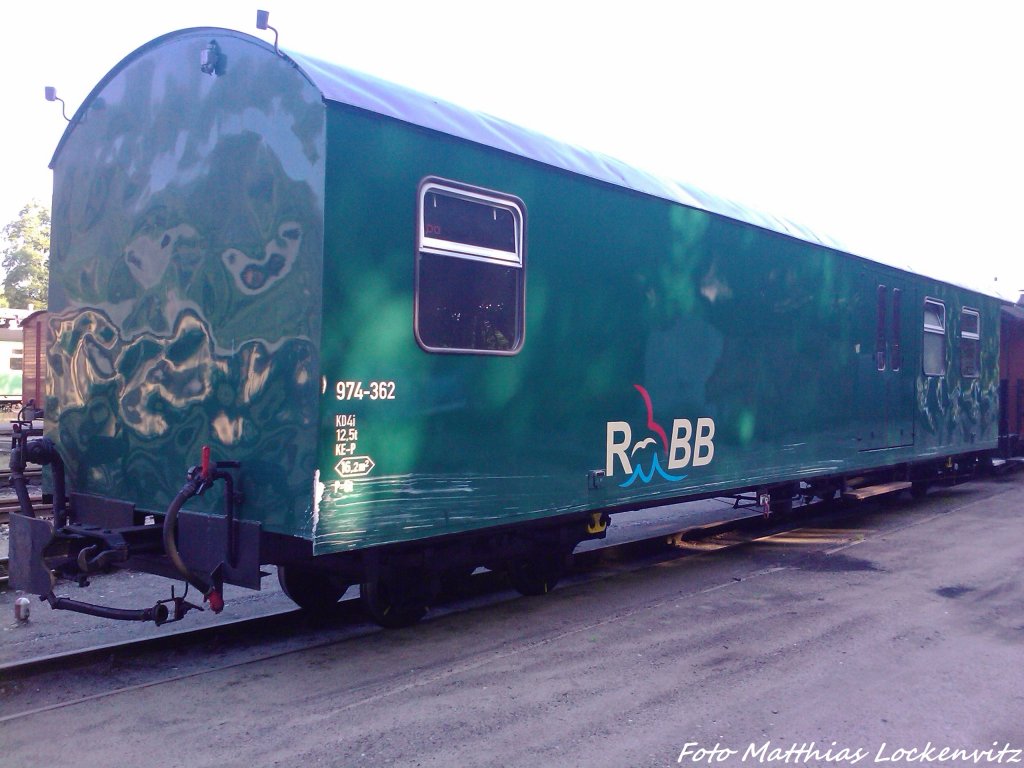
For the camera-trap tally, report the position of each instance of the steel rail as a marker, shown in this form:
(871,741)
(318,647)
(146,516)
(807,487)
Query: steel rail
(601,561)
(664,544)
(648,552)
(5,475)
(6,507)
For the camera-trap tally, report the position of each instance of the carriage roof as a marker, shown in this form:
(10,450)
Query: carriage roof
(350,87)
(357,89)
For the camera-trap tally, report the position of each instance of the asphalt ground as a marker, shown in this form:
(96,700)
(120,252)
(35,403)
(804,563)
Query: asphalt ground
(882,639)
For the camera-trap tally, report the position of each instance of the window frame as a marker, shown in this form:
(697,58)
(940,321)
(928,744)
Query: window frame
(971,336)
(469,252)
(937,330)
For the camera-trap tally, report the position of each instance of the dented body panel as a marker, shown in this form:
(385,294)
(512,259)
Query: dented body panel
(186,278)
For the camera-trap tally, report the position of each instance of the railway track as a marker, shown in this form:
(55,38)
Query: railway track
(8,506)
(9,503)
(822,530)
(349,619)
(681,621)
(5,475)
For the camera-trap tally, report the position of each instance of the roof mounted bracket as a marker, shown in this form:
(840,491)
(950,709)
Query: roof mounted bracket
(262,17)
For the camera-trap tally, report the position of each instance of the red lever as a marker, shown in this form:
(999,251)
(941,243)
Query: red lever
(216,601)
(206,462)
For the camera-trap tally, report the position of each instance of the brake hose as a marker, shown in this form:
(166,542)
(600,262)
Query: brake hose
(208,590)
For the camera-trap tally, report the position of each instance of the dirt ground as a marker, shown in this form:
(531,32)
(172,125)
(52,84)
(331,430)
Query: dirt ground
(899,630)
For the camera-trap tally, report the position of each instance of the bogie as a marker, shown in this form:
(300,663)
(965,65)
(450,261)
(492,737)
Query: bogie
(536,574)
(313,590)
(396,598)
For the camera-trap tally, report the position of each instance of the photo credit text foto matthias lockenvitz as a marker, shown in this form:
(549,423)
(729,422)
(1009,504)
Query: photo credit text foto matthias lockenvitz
(815,753)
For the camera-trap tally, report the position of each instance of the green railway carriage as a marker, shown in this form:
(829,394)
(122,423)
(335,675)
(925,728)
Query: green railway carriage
(11,358)
(421,339)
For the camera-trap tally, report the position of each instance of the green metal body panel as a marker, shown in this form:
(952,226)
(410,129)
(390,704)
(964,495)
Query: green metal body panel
(10,386)
(11,356)
(640,313)
(771,337)
(186,278)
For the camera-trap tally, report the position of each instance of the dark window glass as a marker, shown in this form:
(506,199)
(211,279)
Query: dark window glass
(470,275)
(470,305)
(970,343)
(896,353)
(970,323)
(934,354)
(969,354)
(468,222)
(934,347)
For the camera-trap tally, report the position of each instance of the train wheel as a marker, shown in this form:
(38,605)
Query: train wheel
(536,575)
(311,590)
(396,600)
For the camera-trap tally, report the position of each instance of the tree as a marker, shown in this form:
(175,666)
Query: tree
(26,257)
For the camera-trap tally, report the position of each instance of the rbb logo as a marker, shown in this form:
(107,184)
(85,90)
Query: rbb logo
(687,446)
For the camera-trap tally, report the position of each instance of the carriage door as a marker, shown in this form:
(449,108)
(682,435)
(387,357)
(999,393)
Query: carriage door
(887,388)
(896,379)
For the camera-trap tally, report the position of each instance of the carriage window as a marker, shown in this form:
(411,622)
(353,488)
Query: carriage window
(934,349)
(470,282)
(970,343)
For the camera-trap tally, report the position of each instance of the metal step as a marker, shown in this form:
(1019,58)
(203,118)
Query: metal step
(859,494)
(1013,461)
